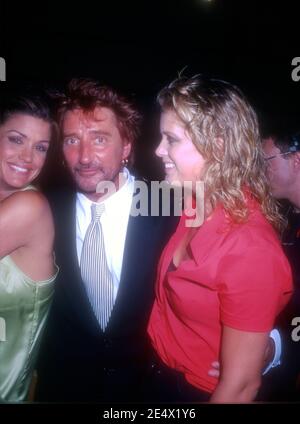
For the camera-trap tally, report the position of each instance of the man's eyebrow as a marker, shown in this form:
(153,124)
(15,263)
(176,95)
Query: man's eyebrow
(74,134)
(70,135)
(103,132)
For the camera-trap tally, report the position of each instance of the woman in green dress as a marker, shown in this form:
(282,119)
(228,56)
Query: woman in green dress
(27,267)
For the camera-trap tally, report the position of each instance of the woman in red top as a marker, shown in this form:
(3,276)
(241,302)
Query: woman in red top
(221,284)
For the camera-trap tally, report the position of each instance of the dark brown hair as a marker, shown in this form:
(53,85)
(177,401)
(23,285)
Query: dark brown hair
(87,94)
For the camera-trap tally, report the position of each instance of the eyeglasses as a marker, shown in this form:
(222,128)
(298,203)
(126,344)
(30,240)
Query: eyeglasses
(295,147)
(275,156)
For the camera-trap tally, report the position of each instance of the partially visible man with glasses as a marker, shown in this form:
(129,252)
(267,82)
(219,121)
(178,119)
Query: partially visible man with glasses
(283,159)
(282,154)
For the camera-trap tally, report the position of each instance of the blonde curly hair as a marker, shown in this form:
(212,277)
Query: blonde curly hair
(224,128)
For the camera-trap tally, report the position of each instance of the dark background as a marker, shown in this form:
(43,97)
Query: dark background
(138,47)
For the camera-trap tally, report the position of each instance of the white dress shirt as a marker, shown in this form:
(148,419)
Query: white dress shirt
(275,335)
(114,221)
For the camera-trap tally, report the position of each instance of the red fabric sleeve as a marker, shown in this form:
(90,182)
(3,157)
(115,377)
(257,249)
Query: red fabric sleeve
(252,287)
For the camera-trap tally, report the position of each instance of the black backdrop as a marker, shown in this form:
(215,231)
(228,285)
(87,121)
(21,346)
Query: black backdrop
(139,46)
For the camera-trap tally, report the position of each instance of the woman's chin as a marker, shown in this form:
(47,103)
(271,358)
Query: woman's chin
(17,184)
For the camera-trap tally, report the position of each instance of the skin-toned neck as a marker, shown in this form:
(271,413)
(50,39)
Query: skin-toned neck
(6,193)
(294,190)
(294,196)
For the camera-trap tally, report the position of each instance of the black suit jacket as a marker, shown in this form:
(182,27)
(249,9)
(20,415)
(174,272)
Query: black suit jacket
(78,362)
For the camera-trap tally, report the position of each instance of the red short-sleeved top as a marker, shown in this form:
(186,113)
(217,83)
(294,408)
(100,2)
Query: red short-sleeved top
(236,275)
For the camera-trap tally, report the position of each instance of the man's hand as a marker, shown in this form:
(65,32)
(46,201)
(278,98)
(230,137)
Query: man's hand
(269,353)
(215,369)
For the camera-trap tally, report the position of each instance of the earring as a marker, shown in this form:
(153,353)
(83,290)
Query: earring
(125,162)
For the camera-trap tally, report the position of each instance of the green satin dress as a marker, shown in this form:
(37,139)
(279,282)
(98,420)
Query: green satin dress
(24,306)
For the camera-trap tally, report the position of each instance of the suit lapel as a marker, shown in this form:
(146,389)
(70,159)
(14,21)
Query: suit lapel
(144,240)
(71,281)
(133,283)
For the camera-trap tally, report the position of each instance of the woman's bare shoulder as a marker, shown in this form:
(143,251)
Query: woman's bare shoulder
(26,219)
(25,210)
(32,201)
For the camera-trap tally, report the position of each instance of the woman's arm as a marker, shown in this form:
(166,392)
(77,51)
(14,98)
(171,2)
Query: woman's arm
(21,215)
(242,358)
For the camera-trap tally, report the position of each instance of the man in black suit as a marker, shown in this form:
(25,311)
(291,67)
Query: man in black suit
(80,359)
